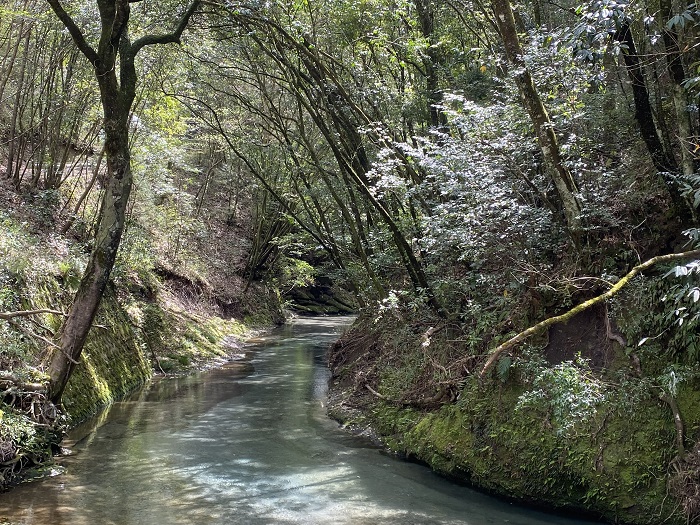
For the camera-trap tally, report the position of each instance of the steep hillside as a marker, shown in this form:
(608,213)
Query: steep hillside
(151,320)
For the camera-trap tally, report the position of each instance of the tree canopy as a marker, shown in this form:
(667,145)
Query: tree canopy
(467,166)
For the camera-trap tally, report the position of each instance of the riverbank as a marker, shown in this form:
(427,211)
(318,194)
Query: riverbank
(153,320)
(250,447)
(566,435)
(131,342)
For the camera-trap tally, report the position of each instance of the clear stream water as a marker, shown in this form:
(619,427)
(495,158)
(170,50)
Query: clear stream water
(246,444)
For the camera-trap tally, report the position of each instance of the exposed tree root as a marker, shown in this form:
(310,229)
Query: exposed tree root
(423,403)
(28,400)
(612,334)
(678,422)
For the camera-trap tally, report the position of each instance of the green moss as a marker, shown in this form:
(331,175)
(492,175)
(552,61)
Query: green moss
(611,459)
(126,343)
(177,341)
(614,472)
(112,364)
(688,400)
(444,437)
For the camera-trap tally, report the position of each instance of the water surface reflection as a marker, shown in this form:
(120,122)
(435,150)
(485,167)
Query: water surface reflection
(246,444)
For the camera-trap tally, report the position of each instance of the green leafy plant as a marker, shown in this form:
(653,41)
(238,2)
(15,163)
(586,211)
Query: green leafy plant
(569,392)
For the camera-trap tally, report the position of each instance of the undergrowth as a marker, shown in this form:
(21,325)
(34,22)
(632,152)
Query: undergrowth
(564,434)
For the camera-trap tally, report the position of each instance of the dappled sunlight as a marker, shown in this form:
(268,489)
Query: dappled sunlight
(246,449)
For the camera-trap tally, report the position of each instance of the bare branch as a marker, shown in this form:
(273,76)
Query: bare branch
(27,313)
(11,316)
(8,379)
(32,334)
(541,326)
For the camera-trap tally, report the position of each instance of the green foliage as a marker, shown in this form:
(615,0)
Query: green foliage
(568,392)
(15,346)
(23,444)
(35,273)
(691,190)
(398,303)
(294,273)
(663,325)
(166,115)
(136,260)
(401,378)
(383,145)
(16,248)
(17,430)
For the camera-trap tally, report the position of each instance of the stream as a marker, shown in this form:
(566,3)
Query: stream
(248,443)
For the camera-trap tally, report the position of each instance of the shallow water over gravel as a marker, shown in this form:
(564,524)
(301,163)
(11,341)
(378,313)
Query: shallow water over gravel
(246,444)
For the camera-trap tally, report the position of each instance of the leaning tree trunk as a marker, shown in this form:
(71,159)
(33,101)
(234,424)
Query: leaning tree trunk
(109,232)
(547,138)
(113,62)
(343,139)
(663,161)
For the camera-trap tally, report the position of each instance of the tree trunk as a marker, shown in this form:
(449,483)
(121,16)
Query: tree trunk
(431,62)
(549,145)
(113,62)
(13,156)
(643,114)
(680,95)
(109,232)
(347,147)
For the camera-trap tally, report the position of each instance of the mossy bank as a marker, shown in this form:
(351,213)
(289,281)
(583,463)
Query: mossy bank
(571,434)
(132,341)
(128,344)
(151,321)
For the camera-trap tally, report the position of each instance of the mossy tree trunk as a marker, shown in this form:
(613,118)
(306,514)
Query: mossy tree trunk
(681,100)
(113,63)
(511,343)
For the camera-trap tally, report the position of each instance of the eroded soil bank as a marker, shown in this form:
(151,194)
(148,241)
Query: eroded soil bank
(578,430)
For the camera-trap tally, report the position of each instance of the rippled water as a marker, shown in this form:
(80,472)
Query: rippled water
(246,444)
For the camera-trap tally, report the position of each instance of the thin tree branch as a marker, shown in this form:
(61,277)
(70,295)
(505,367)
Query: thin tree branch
(27,313)
(541,326)
(33,334)
(74,31)
(168,38)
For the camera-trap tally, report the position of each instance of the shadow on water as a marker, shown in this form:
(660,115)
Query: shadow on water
(246,444)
